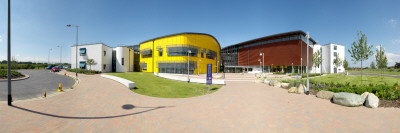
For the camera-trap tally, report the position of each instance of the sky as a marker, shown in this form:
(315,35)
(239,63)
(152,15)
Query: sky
(40,25)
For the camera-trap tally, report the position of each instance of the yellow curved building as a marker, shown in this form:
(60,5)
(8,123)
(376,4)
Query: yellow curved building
(169,54)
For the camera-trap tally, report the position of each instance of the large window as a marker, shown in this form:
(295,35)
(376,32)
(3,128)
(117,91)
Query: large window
(211,54)
(334,54)
(82,51)
(123,61)
(160,51)
(182,51)
(104,53)
(178,67)
(146,53)
(82,65)
(334,47)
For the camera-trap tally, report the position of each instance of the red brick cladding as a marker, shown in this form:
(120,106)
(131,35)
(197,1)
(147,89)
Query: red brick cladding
(278,53)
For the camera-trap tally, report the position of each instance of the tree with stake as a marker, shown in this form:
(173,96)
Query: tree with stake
(317,60)
(90,62)
(372,65)
(360,50)
(381,59)
(337,61)
(345,64)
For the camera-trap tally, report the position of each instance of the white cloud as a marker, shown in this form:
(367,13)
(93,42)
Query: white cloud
(1,39)
(396,41)
(393,22)
(392,58)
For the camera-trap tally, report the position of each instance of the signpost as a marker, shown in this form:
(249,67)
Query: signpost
(209,76)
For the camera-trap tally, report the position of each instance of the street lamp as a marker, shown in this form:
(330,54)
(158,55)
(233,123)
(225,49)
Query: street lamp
(260,63)
(60,53)
(9,97)
(263,62)
(76,49)
(198,69)
(272,67)
(292,67)
(48,57)
(308,83)
(189,52)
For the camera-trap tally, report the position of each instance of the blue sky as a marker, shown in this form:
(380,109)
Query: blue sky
(38,25)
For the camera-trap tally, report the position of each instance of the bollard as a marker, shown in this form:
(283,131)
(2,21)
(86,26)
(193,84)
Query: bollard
(60,87)
(44,93)
(65,73)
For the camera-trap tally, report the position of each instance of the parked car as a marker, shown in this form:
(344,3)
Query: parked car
(49,67)
(65,67)
(55,69)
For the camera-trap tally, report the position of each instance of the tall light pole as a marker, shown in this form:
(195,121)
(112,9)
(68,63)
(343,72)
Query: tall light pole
(76,49)
(9,56)
(308,83)
(48,57)
(188,65)
(262,70)
(292,67)
(272,68)
(301,57)
(60,53)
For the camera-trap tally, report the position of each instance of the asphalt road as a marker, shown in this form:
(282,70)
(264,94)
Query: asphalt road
(35,85)
(375,74)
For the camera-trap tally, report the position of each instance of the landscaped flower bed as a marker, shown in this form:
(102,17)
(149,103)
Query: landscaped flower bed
(14,74)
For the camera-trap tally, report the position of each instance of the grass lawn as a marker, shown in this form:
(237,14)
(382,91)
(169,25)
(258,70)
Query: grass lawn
(356,79)
(150,85)
(394,72)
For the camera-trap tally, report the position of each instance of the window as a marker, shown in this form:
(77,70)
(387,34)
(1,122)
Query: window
(104,53)
(104,66)
(143,65)
(334,54)
(146,53)
(211,54)
(334,47)
(181,68)
(82,65)
(122,62)
(82,51)
(160,51)
(182,51)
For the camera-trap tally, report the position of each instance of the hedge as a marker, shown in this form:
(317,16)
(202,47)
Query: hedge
(83,71)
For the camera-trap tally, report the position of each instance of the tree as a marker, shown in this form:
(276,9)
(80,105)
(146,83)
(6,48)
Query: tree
(381,59)
(337,62)
(345,64)
(372,65)
(360,50)
(317,60)
(90,62)
(397,65)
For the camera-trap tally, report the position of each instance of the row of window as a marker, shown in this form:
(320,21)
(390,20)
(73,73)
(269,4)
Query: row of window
(294,37)
(180,51)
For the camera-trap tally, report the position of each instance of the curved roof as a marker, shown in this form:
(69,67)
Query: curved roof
(182,34)
(272,36)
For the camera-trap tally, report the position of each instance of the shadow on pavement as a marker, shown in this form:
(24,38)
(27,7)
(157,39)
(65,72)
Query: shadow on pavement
(105,117)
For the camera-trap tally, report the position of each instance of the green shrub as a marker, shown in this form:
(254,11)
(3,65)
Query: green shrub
(385,92)
(3,73)
(83,71)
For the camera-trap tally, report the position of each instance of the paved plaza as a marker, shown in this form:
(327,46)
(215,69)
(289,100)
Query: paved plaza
(103,105)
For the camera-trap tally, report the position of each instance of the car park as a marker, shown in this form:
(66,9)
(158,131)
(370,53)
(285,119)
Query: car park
(55,69)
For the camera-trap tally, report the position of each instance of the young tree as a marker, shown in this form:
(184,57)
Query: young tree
(317,60)
(345,64)
(360,50)
(372,65)
(381,59)
(337,62)
(90,62)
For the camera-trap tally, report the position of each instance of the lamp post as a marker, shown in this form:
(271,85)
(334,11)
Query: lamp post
(198,69)
(9,99)
(60,53)
(292,67)
(216,66)
(308,83)
(260,63)
(188,66)
(48,57)
(272,68)
(76,49)
(262,70)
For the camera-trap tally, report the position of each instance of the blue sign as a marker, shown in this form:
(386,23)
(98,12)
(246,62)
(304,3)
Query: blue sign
(209,74)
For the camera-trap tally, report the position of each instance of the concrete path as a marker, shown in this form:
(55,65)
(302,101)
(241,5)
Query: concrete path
(35,85)
(103,105)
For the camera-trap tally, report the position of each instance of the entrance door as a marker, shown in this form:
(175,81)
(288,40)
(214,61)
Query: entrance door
(335,70)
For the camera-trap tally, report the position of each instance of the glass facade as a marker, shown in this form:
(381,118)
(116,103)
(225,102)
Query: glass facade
(146,53)
(229,56)
(143,65)
(182,51)
(177,67)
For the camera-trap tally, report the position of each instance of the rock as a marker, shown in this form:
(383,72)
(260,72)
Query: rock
(271,83)
(365,94)
(266,81)
(258,81)
(348,99)
(292,90)
(372,101)
(325,94)
(285,85)
(300,89)
(277,84)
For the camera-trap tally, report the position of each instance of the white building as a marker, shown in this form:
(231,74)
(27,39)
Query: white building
(328,53)
(118,59)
